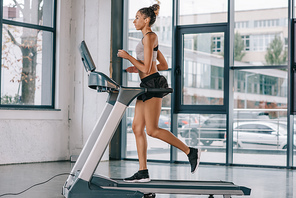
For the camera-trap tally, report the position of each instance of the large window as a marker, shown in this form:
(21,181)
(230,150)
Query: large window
(260,95)
(250,85)
(261,30)
(27,53)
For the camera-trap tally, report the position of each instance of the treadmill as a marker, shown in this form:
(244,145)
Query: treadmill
(82,182)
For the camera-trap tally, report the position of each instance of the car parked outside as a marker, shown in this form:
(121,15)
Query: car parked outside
(188,119)
(260,135)
(284,125)
(214,128)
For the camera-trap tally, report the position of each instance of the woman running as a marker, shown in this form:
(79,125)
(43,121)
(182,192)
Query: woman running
(148,106)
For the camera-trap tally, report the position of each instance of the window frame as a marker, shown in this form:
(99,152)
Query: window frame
(179,68)
(38,27)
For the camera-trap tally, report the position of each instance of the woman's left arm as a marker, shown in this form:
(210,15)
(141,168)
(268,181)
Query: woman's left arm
(163,65)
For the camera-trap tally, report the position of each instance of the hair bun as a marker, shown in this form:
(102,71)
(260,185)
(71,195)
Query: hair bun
(155,8)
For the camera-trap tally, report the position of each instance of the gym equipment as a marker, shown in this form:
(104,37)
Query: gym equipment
(82,182)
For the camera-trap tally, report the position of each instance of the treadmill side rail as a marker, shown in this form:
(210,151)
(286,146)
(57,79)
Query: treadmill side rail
(92,139)
(102,142)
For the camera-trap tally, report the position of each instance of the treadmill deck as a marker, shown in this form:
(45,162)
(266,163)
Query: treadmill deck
(180,187)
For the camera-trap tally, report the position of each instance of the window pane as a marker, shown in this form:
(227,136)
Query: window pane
(256,89)
(260,117)
(294,11)
(157,149)
(261,29)
(205,131)
(294,146)
(294,44)
(34,12)
(26,76)
(200,11)
(203,69)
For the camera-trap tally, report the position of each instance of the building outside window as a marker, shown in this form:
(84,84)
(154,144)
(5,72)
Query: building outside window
(241,24)
(217,44)
(27,53)
(261,42)
(267,23)
(246,39)
(264,32)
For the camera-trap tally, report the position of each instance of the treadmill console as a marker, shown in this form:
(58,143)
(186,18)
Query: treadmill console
(101,82)
(96,80)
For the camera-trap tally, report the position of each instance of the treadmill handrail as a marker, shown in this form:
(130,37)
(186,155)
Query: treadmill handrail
(128,94)
(159,90)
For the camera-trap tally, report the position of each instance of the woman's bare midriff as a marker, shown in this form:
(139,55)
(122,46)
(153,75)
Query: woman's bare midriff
(152,71)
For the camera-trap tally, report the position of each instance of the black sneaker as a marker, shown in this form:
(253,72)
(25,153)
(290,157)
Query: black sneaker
(194,158)
(140,176)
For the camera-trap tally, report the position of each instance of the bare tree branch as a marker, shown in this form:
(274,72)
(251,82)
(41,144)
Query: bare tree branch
(18,5)
(40,12)
(12,37)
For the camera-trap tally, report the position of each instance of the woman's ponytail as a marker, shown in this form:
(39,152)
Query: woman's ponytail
(155,8)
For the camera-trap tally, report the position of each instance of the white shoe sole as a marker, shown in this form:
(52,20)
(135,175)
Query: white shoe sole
(138,180)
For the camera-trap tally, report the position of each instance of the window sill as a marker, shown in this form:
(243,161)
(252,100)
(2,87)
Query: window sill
(28,109)
(30,114)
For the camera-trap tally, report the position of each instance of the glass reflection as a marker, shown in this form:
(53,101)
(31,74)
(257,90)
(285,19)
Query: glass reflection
(260,117)
(203,69)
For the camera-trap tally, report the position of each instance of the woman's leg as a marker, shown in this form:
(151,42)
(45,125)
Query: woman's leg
(152,109)
(138,128)
(140,135)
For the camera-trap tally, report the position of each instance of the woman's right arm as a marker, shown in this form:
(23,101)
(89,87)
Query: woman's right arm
(163,65)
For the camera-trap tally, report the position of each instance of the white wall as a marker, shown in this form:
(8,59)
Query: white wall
(91,21)
(50,135)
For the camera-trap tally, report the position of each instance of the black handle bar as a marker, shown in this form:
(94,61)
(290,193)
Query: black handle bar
(159,90)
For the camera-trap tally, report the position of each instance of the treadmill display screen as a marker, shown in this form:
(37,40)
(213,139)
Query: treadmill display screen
(88,62)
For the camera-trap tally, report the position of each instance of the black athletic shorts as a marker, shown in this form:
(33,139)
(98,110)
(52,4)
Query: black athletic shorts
(153,81)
